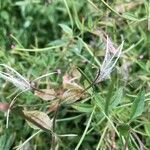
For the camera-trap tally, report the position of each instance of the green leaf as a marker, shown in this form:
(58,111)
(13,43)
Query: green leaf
(10,141)
(100,102)
(78,23)
(39,119)
(3,140)
(6,141)
(78,47)
(147,129)
(117,98)
(4,15)
(66,29)
(21,3)
(123,129)
(83,107)
(138,106)
(61,42)
(130,16)
(142,65)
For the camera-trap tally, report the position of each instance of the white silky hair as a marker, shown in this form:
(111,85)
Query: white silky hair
(19,81)
(111,57)
(14,77)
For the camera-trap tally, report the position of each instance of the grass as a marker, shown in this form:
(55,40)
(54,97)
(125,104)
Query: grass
(58,48)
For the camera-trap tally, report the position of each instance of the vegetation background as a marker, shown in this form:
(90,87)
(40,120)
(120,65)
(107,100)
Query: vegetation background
(39,37)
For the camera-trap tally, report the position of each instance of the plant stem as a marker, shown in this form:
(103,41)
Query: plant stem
(54,126)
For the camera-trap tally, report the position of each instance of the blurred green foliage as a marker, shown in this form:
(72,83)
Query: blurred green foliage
(29,29)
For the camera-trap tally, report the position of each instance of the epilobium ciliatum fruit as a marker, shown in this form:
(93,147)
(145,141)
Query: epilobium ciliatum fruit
(14,77)
(112,55)
(19,81)
(23,84)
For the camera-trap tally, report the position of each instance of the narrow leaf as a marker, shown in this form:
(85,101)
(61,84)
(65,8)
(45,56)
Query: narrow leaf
(66,29)
(117,98)
(6,141)
(147,129)
(130,16)
(123,129)
(100,102)
(138,106)
(83,107)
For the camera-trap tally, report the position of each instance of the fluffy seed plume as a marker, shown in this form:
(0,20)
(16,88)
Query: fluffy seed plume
(14,77)
(112,55)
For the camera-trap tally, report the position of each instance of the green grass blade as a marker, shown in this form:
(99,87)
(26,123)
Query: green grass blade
(86,129)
